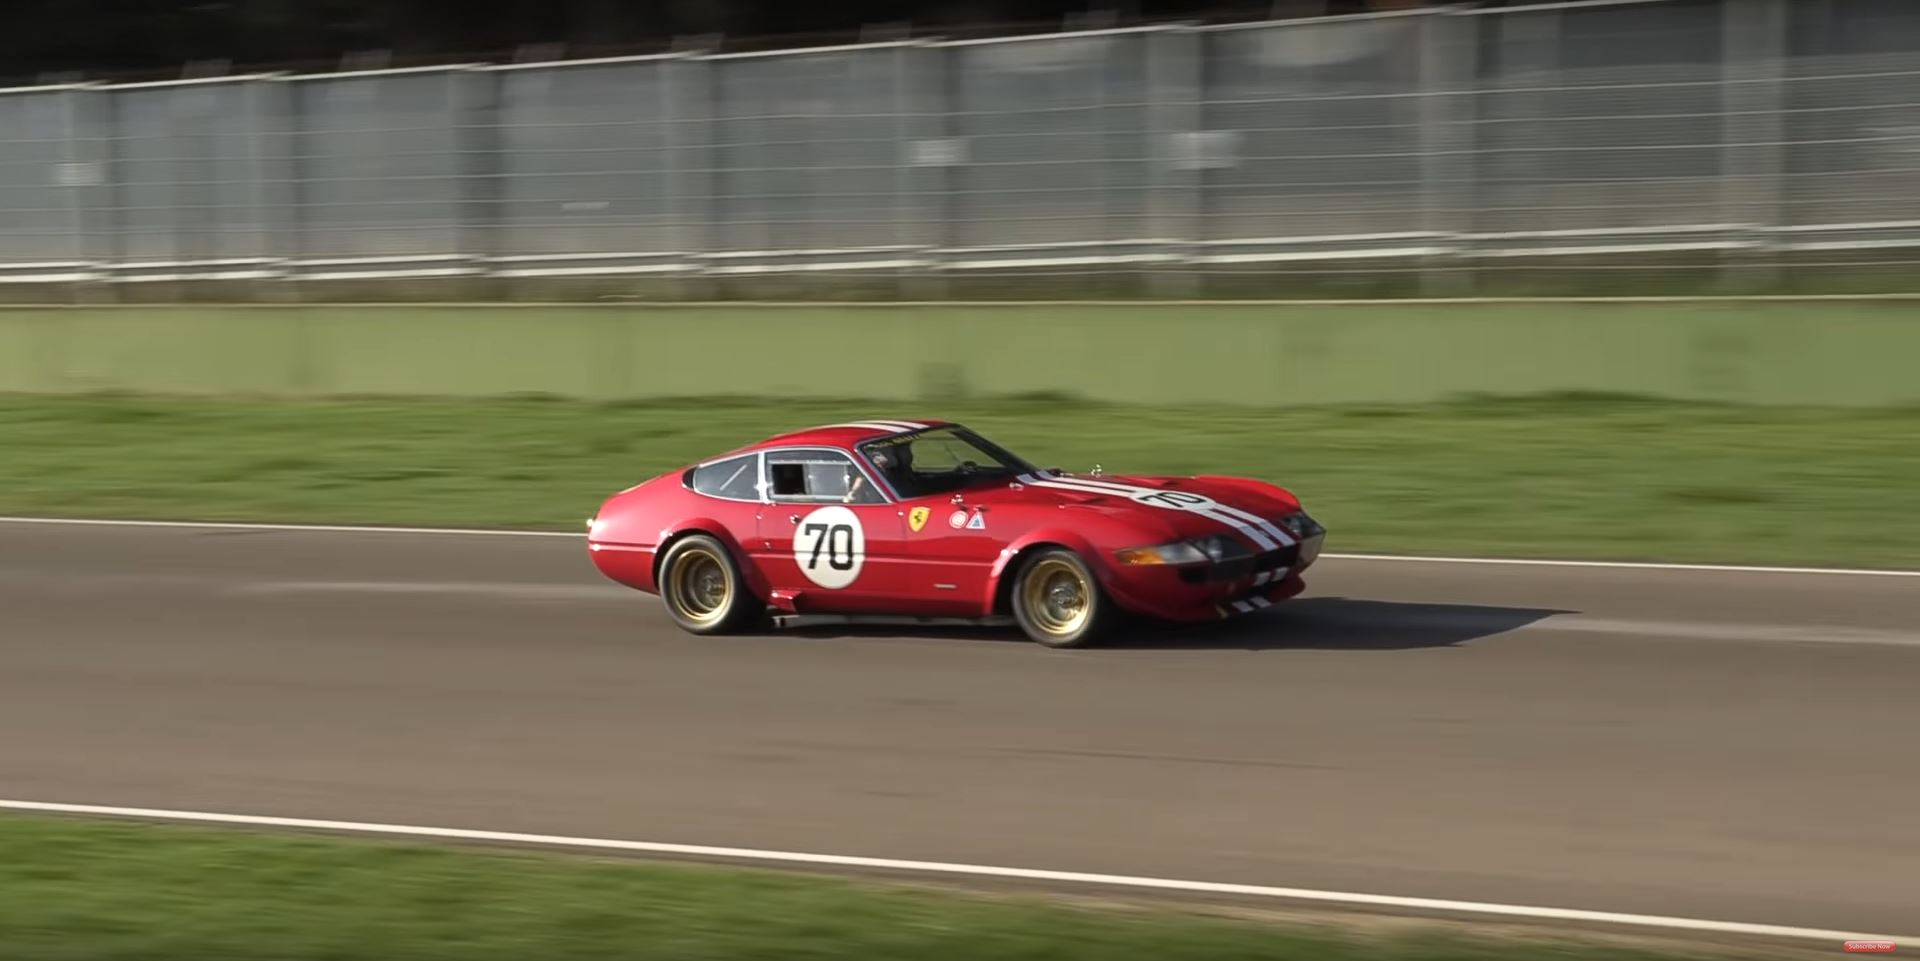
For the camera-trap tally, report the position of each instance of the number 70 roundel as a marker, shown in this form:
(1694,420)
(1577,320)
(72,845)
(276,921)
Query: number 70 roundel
(830,546)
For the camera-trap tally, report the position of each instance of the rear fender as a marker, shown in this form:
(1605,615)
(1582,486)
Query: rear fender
(756,582)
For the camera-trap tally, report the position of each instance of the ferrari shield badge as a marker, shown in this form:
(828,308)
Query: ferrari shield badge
(917,518)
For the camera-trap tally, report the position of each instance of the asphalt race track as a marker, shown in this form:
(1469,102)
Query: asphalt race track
(1735,746)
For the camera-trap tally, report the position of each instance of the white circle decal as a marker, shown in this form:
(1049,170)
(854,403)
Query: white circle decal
(830,546)
(1176,500)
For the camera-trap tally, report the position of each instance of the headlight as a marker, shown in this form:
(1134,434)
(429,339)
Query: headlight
(1222,548)
(1184,552)
(1179,552)
(1300,525)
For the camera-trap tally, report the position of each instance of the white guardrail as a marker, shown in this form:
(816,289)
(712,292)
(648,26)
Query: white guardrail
(1716,138)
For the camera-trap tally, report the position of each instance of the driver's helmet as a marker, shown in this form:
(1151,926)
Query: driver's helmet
(893,460)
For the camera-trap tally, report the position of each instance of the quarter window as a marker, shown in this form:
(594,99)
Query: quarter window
(736,478)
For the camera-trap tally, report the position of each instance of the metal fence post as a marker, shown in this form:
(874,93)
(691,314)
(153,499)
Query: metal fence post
(1530,60)
(1447,107)
(294,193)
(1751,183)
(83,173)
(922,129)
(686,111)
(473,97)
(1176,189)
(197,208)
(904,236)
(266,154)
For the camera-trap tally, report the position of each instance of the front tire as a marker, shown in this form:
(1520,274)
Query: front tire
(1058,602)
(703,590)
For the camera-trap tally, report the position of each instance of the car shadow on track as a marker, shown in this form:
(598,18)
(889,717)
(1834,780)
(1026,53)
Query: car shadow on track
(1343,624)
(1308,624)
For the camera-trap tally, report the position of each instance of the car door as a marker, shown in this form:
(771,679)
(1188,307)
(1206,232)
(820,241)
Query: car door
(828,536)
(954,541)
(954,536)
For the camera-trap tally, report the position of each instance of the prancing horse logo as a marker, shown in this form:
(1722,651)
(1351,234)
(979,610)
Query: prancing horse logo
(917,518)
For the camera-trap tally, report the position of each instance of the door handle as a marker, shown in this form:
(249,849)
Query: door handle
(795,518)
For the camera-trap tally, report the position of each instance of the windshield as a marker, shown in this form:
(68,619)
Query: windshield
(941,460)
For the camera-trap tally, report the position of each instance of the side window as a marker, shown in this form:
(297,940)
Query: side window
(822,476)
(735,479)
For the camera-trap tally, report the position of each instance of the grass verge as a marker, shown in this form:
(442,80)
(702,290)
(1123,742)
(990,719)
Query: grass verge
(1599,477)
(105,892)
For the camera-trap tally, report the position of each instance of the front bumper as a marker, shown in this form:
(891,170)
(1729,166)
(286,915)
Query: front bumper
(1260,568)
(1206,592)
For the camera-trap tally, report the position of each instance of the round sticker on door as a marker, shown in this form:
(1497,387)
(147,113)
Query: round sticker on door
(830,546)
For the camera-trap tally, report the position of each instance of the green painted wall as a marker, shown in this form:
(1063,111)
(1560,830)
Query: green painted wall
(1804,353)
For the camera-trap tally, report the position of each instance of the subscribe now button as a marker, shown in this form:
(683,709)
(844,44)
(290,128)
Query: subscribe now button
(1868,947)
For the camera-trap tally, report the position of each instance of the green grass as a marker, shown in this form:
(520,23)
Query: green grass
(83,891)
(1599,477)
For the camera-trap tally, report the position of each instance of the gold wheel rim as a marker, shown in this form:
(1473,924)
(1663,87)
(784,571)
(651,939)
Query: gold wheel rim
(1057,597)
(698,586)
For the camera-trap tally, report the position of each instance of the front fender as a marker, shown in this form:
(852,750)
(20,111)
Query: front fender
(1020,546)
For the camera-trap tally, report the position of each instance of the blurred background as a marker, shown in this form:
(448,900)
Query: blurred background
(595,150)
(1612,280)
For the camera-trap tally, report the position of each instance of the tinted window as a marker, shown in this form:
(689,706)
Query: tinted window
(819,476)
(736,479)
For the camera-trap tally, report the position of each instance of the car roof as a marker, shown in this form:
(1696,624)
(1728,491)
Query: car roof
(845,434)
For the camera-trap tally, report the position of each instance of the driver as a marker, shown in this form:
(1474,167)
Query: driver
(895,463)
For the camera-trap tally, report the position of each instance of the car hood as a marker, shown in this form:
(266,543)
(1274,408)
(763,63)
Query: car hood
(1178,506)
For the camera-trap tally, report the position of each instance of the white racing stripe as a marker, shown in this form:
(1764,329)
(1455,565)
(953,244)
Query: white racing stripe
(1271,529)
(1252,531)
(889,427)
(1251,604)
(1256,529)
(976,870)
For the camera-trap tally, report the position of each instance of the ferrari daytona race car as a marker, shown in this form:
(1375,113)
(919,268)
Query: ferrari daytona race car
(927,519)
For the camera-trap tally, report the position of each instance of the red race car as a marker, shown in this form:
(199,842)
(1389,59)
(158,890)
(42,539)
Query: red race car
(931,520)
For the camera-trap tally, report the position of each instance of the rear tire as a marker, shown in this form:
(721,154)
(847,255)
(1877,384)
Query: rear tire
(704,592)
(1058,602)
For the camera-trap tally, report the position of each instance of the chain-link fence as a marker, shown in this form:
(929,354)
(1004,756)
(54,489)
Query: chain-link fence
(1652,147)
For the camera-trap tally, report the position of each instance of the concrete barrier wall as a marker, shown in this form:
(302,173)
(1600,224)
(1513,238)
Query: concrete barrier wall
(1827,353)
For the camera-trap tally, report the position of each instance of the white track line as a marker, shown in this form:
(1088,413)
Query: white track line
(295,528)
(1631,565)
(976,870)
(1893,297)
(1394,558)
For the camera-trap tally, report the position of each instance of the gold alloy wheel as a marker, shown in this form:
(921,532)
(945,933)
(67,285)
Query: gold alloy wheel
(698,586)
(1056,597)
